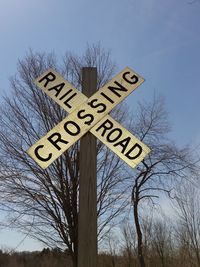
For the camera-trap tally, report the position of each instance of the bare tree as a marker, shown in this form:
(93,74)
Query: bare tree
(44,203)
(161,240)
(184,253)
(188,220)
(113,246)
(129,240)
(157,171)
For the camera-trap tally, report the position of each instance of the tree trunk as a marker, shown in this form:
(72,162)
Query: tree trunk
(75,259)
(139,235)
(74,262)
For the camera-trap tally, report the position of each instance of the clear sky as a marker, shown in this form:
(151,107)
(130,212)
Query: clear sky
(159,39)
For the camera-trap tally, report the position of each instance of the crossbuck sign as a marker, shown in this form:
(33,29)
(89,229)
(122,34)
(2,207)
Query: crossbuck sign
(88,114)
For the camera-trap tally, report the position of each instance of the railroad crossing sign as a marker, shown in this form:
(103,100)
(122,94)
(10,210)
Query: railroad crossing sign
(88,114)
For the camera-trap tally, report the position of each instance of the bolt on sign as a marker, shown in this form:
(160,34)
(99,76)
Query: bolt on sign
(88,114)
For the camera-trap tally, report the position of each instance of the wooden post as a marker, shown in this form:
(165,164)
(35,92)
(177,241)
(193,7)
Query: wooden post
(87,222)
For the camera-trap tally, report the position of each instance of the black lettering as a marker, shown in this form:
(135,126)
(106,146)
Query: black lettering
(63,96)
(39,156)
(107,97)
(55,141)
(119,88)
(106,125)
(132,80)
(102,105)
(90,116)
(58,88)
(49,77)
(68,99)
(128,154)
(69,131)
(115,137)
(123,143)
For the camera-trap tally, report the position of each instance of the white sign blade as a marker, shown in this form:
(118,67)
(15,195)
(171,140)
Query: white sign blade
(120,141)
(60,90)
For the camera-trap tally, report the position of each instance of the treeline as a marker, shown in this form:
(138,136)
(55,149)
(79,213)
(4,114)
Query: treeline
(163,247)
(44,258)
(51,258)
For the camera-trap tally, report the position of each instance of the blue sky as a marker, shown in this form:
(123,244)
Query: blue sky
(158,39)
